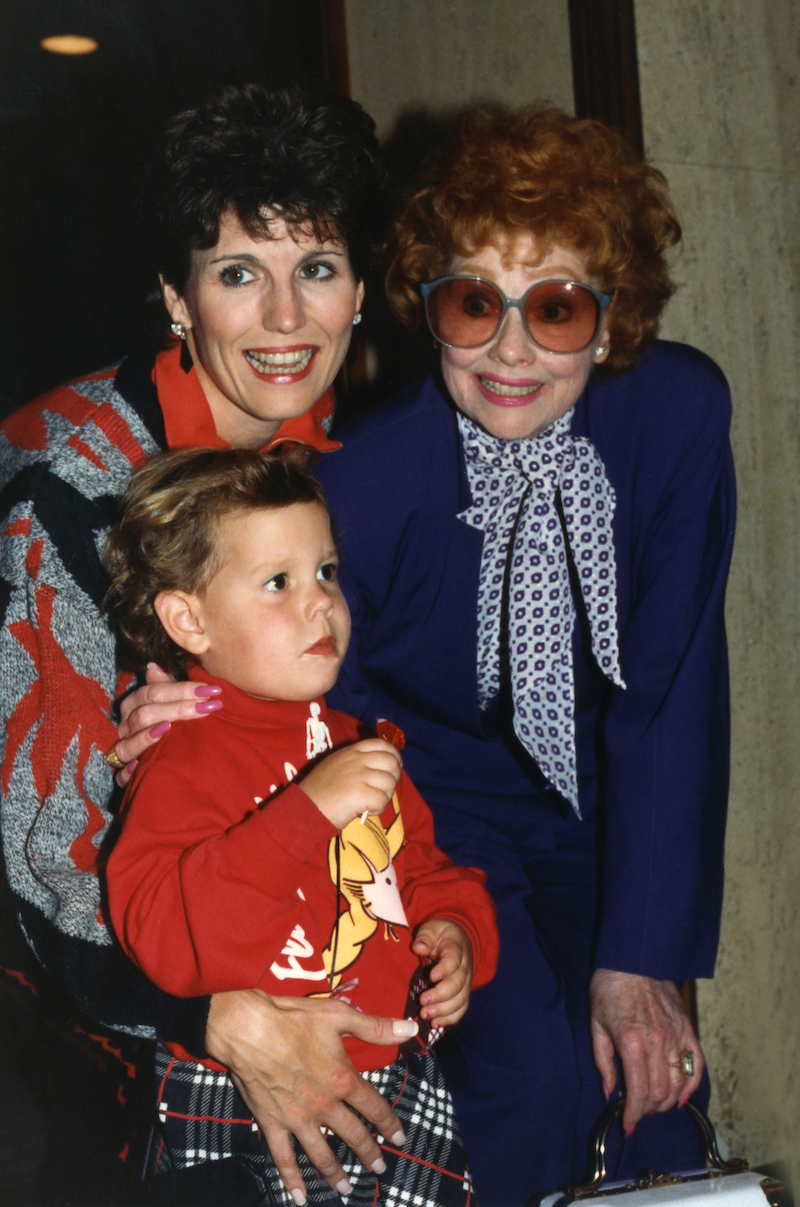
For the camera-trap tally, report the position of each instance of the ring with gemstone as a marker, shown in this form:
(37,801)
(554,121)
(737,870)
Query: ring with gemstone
(685,1064)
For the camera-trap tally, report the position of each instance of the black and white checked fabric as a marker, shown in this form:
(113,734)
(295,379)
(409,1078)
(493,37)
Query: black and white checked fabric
(524,579)
(202,1118)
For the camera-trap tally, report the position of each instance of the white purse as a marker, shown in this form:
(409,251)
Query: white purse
(720,1184)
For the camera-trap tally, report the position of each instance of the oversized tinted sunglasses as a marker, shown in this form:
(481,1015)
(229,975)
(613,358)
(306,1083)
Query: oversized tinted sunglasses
(559,316)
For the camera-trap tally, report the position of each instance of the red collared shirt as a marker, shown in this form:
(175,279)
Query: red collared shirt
(188,421)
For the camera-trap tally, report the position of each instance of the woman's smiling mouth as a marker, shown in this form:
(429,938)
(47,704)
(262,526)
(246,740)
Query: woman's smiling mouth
(288,362)
(506,394)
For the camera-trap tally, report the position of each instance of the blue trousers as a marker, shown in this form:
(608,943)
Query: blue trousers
(519,1066)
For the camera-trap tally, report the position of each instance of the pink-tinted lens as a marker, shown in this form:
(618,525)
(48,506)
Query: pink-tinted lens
(464,313)
(562,316)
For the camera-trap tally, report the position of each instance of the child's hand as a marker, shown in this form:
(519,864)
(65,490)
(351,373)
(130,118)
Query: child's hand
(354,780)
(446,945)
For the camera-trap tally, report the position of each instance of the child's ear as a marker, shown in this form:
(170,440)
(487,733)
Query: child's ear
(180,615)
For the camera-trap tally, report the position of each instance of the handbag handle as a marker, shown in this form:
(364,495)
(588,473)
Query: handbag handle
(594,1178)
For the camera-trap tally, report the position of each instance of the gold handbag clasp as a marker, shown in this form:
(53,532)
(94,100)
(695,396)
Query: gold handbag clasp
(595,1178)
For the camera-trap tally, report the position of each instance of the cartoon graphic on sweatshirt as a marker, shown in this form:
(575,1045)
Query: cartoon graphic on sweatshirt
(360,863)
(361,867)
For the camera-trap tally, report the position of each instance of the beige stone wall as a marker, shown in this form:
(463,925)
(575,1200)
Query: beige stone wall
(720,84)
(444,54)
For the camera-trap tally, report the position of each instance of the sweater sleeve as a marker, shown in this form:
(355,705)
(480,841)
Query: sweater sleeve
(666,739)
(201,902)
(434,887)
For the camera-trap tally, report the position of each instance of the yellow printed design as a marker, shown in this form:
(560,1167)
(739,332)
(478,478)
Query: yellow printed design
(361,867)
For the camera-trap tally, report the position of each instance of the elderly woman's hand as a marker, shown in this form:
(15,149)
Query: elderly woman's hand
(645,1023)
(147,713)
(288,1062)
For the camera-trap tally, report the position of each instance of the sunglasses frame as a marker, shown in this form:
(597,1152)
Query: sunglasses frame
(603,300)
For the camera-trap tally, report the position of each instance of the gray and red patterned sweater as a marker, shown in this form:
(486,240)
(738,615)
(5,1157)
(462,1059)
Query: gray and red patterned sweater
(64,461)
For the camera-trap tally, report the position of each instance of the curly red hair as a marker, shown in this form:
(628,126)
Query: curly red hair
(561,179)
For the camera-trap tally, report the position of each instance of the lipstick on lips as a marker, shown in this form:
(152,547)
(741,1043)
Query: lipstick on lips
(507,392)
(282,366)
(325,645)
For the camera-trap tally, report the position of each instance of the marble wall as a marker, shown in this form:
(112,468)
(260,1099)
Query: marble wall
(440,55)
(720,86)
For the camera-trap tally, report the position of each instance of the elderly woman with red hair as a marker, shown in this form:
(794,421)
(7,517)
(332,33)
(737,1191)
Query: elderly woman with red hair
(535,543)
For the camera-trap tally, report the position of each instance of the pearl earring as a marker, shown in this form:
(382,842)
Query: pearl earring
(356,318)
(600,351)
(178,329)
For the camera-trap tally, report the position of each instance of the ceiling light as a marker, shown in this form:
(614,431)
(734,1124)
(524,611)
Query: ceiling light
(69,44)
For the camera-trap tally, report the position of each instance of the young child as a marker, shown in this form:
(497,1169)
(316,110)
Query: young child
(278,845)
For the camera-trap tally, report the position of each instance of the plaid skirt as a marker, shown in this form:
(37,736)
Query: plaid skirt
(201,1117)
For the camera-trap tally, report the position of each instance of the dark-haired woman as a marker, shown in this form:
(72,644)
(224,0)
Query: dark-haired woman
(535,544)
(262,211)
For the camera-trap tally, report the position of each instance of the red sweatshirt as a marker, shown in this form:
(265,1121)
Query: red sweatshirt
(225,873)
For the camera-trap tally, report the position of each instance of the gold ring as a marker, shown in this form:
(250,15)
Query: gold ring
(685,1064)
(113,759)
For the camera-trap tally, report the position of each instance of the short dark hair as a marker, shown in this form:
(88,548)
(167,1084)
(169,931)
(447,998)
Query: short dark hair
(296,148)
(562,179)
(165,537)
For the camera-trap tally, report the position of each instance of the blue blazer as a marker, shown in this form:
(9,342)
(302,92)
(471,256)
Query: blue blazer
(653,759)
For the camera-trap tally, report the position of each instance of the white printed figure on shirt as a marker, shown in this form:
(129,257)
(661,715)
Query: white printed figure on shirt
(318,736)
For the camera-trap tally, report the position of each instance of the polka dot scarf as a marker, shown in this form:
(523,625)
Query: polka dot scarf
(525,574)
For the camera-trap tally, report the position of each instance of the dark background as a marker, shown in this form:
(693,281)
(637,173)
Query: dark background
(74,133)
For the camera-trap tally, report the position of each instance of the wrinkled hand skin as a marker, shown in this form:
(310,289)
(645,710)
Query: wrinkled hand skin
(288,1062)
(449,950)
(645,1023)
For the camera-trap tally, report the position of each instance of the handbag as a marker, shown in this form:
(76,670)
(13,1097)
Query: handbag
(722,1184)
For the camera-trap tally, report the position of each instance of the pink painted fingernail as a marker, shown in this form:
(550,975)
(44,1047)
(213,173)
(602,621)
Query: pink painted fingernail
(208,706)
(158,730)
(298,1197)
(378,1166)
(132,765)
(684,1100)
(629,1131)
(206,690)
(398,1138)
(343,1187)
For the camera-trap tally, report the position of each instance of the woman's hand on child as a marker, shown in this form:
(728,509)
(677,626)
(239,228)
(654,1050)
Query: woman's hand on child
(355,780)
(290,1066)
(448,948)
(148,712)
